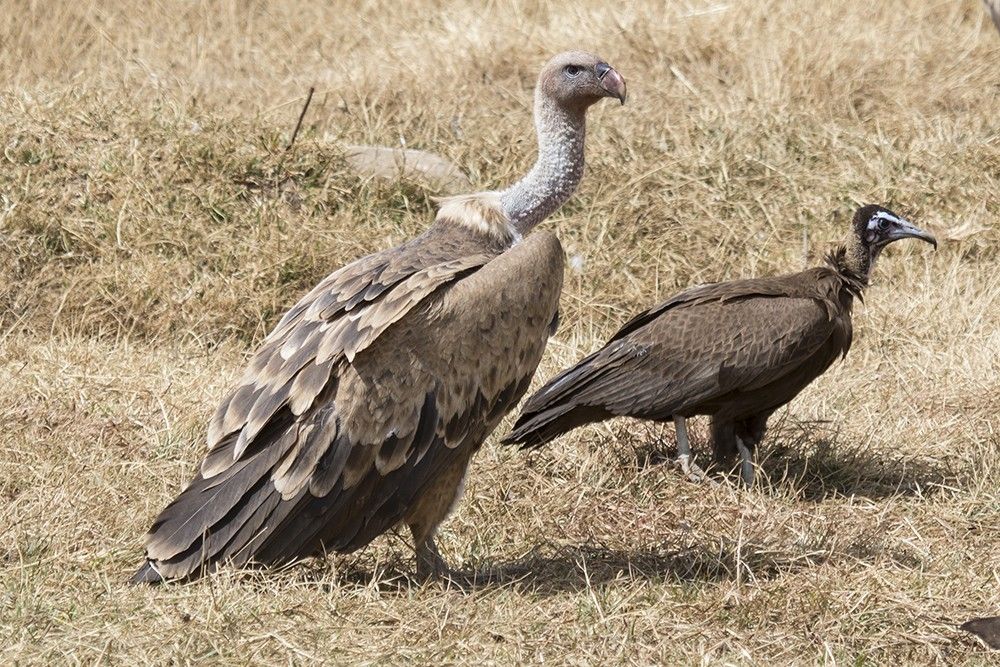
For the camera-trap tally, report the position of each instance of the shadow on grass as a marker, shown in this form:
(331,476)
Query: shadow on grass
(549,570)
(557,569)
(809,460)
(571,569)
(805,460)
(816,467)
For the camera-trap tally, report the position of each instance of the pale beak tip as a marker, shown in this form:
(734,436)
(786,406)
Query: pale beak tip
(611,81)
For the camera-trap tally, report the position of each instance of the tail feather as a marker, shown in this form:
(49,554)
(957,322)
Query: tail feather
(146,574)
(572,398)
(239,518)
(532,431)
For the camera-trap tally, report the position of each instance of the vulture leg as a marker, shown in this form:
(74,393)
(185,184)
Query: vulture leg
(430,565)
(435,503)
(746,462)
(748,435)
(688,467)
(724,451)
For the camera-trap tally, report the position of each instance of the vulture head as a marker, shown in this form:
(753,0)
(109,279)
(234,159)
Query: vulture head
(567,86)
(876,227)
(577,79)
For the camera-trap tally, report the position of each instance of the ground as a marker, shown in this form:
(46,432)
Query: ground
(153,226)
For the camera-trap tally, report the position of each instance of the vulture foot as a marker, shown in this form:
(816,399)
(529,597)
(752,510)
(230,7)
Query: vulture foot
(692,471)
(432,567)
(688,467)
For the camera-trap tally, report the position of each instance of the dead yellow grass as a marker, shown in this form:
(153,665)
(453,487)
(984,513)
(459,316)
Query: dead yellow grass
(152,228)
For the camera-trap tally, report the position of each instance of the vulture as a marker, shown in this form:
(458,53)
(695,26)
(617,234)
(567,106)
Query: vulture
(987,629)
(736,351)
(362,409)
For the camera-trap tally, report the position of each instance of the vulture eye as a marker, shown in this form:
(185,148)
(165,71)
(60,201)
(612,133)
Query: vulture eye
(572,70)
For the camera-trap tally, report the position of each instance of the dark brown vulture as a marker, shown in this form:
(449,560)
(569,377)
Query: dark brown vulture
(987,629)
(736,351)
(365,404)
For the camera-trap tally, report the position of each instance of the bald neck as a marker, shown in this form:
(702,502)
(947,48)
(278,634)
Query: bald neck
(557,171)
(854,260)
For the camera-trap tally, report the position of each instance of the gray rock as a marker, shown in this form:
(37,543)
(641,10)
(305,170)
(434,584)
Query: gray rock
(433,171)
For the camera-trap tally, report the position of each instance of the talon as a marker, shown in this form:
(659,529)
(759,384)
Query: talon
(688,467)
(693,472)
(431,567)
(684,461)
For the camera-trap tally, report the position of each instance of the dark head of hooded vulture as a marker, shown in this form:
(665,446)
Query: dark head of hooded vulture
(736,351)
(365,404)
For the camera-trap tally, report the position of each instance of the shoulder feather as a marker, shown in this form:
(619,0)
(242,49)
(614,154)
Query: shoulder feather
(480,212)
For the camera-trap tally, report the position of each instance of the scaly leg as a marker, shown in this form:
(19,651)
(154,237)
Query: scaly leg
(427,513)
(688,467)
(430,564)
(746,463)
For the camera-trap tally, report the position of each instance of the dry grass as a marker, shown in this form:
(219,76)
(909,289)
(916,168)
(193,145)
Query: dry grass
(152,229)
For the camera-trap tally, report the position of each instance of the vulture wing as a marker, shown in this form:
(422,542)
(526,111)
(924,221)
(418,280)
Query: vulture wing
(383,376)
(697,350)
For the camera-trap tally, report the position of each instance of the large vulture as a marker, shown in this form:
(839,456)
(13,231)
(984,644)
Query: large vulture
(365,404)
(736,351)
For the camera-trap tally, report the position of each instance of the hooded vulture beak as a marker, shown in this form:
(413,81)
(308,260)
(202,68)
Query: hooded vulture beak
(904,230)
(611,81)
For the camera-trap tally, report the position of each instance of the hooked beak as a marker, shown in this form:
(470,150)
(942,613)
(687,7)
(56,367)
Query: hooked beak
(904,230)
(611,81)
